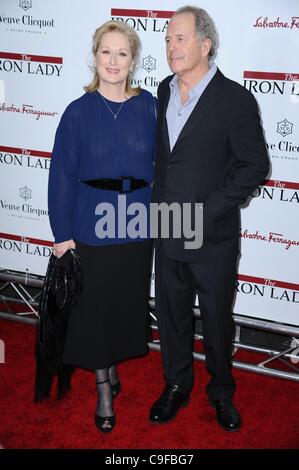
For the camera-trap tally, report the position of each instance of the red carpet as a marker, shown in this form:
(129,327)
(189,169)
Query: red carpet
(269,407)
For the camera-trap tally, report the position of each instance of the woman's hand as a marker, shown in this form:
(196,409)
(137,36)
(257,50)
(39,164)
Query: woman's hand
(60,248)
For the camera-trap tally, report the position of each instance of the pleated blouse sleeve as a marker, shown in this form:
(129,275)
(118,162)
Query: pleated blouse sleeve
(63,175)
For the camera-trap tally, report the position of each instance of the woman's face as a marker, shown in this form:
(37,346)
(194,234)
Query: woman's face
(114,58)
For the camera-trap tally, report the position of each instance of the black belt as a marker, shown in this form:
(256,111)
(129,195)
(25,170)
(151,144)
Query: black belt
(125,184)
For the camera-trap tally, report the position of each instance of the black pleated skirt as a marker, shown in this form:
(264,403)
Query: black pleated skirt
(110,322)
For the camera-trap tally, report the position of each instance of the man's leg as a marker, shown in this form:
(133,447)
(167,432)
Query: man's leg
(174,301)
(215,286)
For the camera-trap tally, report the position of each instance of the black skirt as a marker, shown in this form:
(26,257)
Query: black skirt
(110,322)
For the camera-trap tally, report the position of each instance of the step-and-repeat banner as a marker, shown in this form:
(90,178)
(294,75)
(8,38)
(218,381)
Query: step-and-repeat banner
(45,60)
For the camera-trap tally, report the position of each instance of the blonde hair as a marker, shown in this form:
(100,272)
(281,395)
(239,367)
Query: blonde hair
(115,26)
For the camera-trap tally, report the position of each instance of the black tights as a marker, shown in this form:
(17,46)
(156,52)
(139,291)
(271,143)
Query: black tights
(104,379)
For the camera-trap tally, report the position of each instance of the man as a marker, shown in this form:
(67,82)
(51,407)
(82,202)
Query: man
(210,150)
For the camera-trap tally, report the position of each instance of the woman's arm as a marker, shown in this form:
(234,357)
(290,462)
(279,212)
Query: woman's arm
(63,180)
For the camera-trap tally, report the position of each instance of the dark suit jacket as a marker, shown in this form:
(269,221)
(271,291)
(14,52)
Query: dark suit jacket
(219,158)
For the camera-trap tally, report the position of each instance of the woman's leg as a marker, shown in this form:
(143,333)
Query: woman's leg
(114,380)
(113,375)
(104,417)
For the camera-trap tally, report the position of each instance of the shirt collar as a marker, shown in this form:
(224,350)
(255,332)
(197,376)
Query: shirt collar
(197,89)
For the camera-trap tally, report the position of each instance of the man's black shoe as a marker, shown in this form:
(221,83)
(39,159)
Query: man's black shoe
(169,403)
(227,415)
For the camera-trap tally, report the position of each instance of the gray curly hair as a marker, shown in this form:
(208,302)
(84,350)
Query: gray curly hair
(204,25)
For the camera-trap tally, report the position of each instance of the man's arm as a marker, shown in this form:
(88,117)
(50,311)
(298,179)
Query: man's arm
(251,162)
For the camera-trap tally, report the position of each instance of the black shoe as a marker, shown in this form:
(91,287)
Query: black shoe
(169,403)
(105,423)
(227,415)
(116,388)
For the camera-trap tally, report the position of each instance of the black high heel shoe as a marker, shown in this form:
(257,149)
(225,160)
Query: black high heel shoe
(116,388)
(105,423)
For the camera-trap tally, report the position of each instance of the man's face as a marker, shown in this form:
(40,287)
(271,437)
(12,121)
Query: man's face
(185,51)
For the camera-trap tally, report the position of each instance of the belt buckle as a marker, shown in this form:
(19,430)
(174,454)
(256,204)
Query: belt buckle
(125,180)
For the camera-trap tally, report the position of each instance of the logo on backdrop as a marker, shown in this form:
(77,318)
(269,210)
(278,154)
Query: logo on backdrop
(25,245)
(149,63)
(25,4)
(28,110)
(284,149)
(284,127)
(38,65)
(17,157)
(271,289)
(265,22)
(272,83)
(23,210)
(25,193)
(270,238)
(278,191)
(143,20)
(149,81)
(25,23)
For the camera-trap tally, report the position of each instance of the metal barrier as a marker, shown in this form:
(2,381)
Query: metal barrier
(22,283)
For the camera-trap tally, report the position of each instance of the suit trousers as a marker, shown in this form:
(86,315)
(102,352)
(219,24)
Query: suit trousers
(176,284)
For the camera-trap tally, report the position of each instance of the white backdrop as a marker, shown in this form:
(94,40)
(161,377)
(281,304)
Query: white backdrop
(45,53)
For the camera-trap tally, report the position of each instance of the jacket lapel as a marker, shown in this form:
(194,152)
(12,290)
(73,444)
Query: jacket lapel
(209,98)
(165,135)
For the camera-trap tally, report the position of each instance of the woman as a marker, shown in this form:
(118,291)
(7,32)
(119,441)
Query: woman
(104,136)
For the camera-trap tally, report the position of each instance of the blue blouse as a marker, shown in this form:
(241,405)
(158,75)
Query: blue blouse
(89,144)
